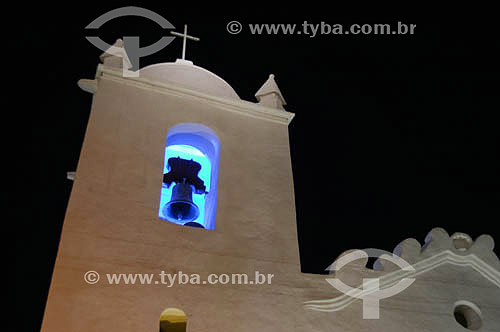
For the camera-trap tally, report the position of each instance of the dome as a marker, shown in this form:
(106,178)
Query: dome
(185,74)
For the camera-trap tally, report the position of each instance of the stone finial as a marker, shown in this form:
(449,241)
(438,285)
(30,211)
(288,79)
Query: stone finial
(116,56)
(270,95)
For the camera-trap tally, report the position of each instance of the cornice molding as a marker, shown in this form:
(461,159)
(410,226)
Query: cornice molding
(237,106)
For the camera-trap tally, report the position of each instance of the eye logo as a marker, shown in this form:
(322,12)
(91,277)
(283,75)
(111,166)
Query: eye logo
(130,43)
(370,293)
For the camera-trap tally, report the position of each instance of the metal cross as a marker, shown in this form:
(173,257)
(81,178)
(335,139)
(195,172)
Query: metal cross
(184,36)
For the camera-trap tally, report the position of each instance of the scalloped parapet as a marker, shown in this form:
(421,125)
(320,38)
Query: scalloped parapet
(445,275)
(438,246)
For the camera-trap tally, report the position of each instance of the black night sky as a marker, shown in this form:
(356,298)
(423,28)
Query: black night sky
(393,134)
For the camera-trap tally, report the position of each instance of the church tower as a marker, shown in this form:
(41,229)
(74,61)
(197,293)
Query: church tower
(182,213)
(150,138)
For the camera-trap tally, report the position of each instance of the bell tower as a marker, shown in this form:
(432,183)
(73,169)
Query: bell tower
(173,148)
(182,217)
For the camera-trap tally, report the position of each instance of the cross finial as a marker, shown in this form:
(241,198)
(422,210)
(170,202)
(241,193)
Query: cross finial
(184,36)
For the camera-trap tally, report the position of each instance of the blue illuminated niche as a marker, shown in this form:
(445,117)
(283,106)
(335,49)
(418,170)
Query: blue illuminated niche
(191,149)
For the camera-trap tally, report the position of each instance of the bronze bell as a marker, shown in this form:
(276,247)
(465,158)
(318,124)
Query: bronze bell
(181,207)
